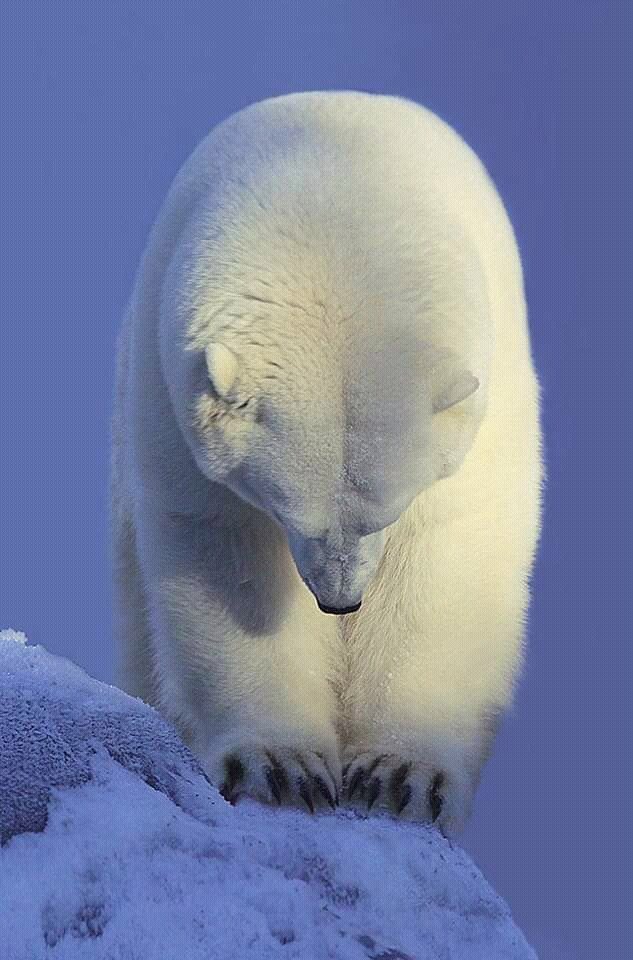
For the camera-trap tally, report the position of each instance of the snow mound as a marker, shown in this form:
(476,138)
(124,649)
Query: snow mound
(114,846)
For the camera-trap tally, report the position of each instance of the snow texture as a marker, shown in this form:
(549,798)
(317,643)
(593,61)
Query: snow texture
(114,846)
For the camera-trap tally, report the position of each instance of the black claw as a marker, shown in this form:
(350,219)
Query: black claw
(399,792)
(281,779)
(304,792)
(324,790)
(374,764)
(372,793)
(323,759)
(279,774)
(273,784)
(405,796)
(435,797)
(233,773)
(398,777)
(345,769)
(354,782)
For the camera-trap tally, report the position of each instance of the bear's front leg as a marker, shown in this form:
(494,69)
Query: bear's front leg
(432,657)
(243,658)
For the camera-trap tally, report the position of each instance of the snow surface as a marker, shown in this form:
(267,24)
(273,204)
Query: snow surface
(114,846)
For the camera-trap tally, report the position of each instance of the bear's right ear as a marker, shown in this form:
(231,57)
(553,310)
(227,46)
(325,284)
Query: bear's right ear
(459,388)
(449,379)
(222,368)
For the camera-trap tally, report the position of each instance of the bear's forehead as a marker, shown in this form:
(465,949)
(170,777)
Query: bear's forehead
(355,418)
(382,463)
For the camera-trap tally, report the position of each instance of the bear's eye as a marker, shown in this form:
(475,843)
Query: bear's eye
(226,404)
(248,407)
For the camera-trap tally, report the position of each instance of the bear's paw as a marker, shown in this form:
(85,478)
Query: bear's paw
(413,786)
(280,776)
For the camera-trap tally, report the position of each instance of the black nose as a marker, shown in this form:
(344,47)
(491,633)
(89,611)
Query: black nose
(340,611)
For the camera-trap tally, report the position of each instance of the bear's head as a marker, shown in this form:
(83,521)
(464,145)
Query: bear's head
(333,444)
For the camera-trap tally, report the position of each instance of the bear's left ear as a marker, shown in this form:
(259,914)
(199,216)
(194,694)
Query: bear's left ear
(450,381)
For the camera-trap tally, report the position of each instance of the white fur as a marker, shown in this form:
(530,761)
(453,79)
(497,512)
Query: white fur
(325,390)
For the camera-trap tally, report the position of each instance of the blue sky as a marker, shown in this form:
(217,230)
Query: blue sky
(101,104)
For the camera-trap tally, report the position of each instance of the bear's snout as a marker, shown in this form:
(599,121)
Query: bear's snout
(337,572)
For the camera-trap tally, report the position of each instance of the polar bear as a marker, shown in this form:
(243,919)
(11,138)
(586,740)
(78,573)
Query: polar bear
(327,469)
